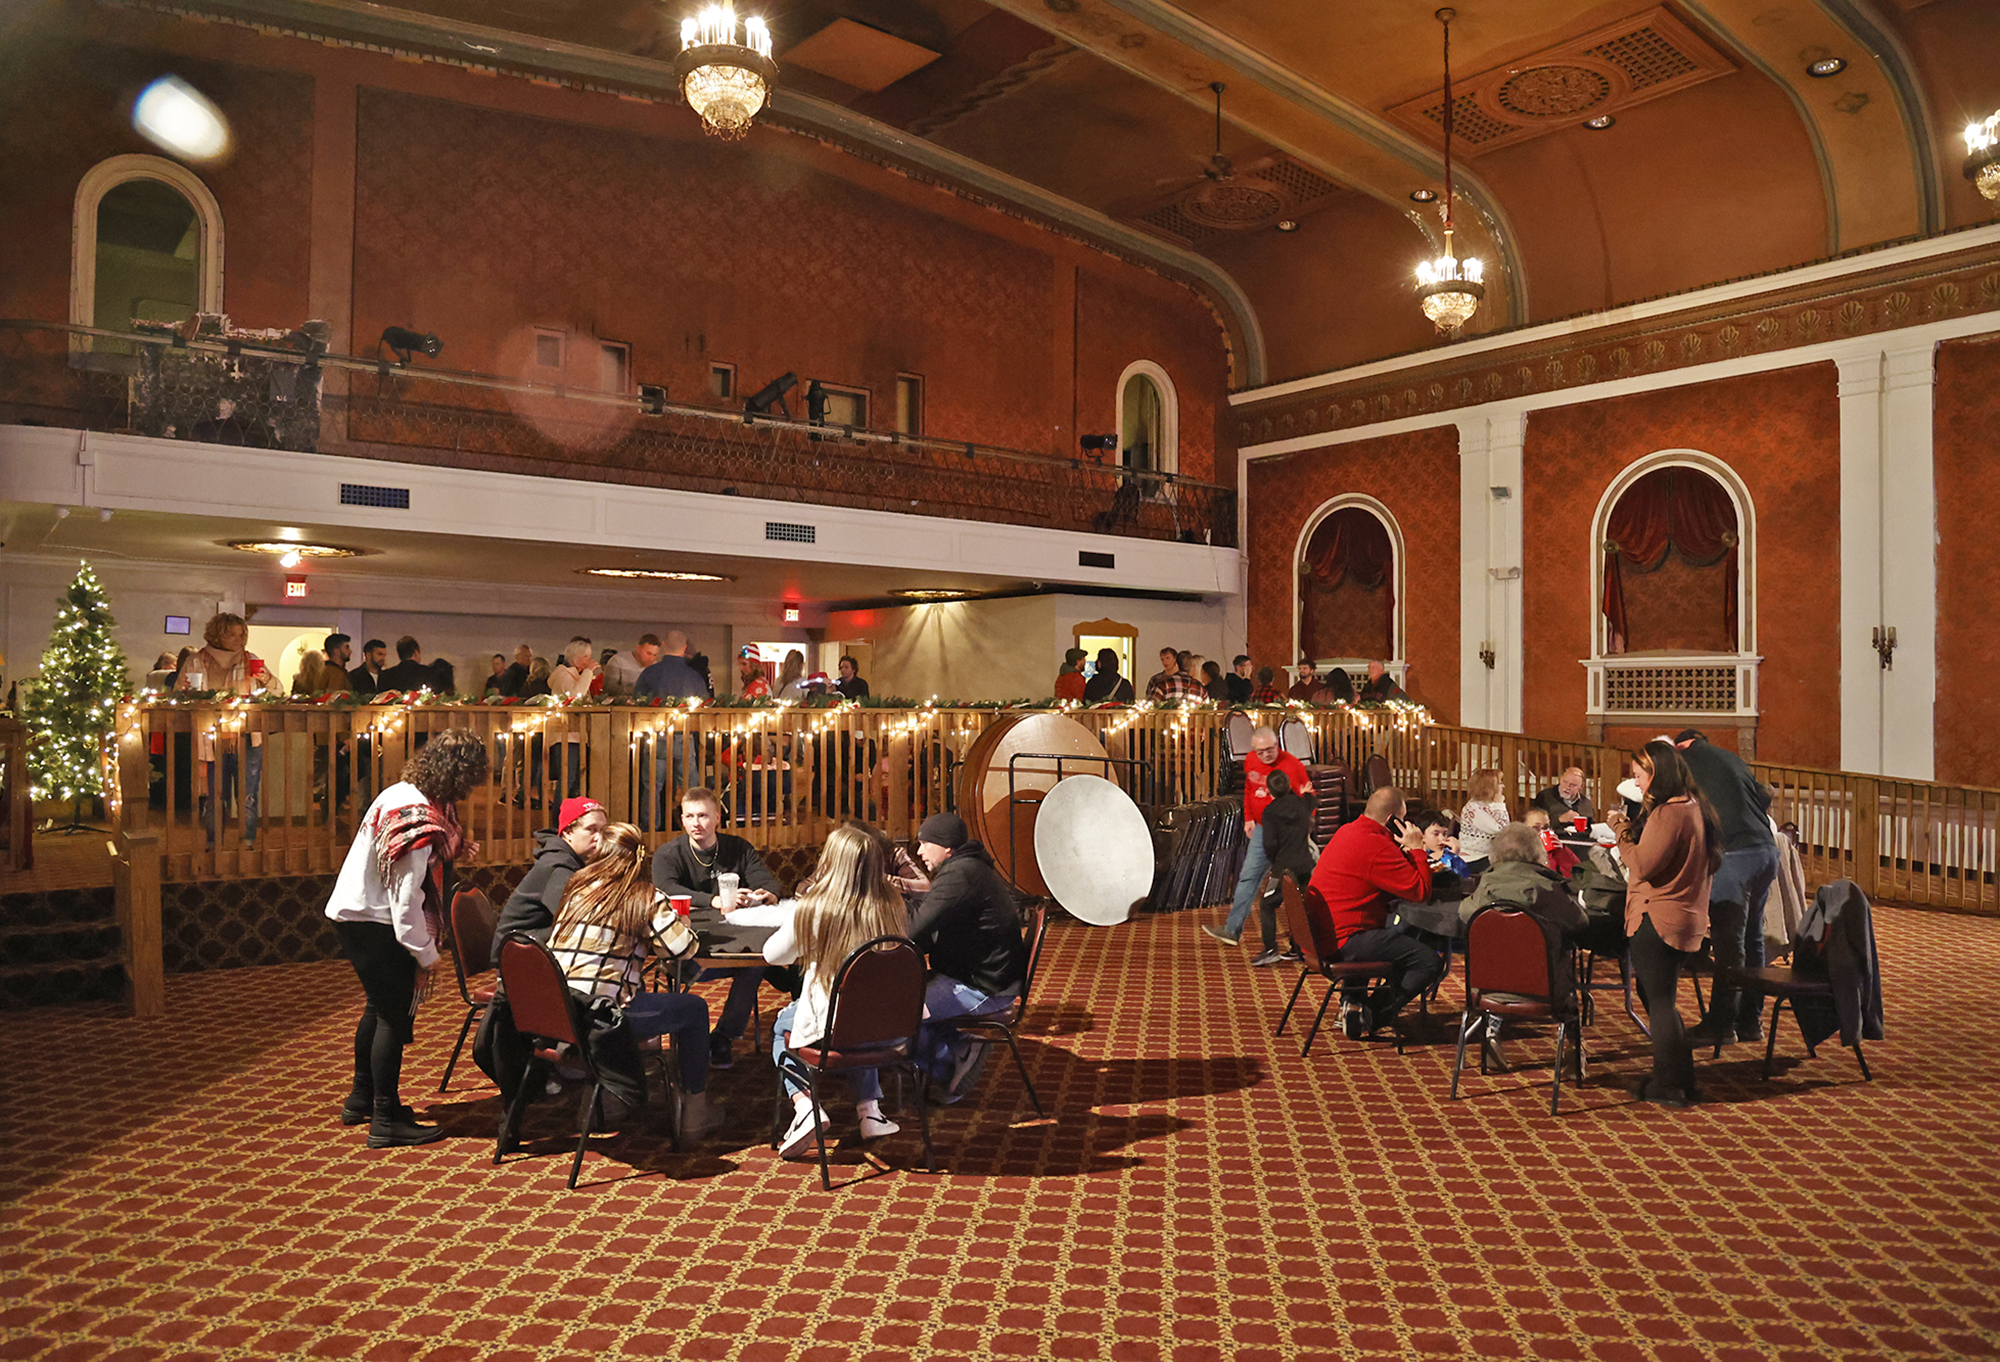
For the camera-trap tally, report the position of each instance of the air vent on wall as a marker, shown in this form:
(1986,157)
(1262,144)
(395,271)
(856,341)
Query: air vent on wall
(359,494)
(791,534)
(1085,558)
(1604,71)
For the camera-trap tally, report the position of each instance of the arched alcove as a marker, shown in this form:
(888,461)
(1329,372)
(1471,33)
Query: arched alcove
(1149,419)
(1348,573)
(1675,559)
(146,243)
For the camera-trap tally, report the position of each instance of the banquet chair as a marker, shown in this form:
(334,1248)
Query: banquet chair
(1506,952)
(1788,987)
(1318,957)
(1003,1024)
(875,1011)
(472,923)
(548,1014)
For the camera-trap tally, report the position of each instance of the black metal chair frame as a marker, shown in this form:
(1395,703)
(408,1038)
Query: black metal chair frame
(592,1110)
(1003,1024)
(1339,975)
(901,1055)
(1477,1016)
(1790,990)
(474,1008)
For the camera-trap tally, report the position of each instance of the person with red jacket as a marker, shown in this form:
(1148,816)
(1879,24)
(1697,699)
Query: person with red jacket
(1368,862)
(1265,757)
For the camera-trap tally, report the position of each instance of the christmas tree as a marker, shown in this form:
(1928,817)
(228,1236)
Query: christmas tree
(74,702)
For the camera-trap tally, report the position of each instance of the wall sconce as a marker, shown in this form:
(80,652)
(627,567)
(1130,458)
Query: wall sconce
(1487,655)
(1884,645)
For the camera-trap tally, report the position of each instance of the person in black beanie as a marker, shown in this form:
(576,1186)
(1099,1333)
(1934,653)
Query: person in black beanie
(1287,833)
(967,921)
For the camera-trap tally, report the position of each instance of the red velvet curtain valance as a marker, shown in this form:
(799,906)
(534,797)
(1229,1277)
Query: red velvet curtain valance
(1351,545)
(1673,510)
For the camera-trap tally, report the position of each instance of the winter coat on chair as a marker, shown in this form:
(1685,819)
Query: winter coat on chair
(1837,942)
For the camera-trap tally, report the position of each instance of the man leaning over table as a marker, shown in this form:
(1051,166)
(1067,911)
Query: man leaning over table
(1367,864)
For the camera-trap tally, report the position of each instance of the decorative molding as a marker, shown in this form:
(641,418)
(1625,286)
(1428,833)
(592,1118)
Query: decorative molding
(1027,71)
(1859,302)
(107,175)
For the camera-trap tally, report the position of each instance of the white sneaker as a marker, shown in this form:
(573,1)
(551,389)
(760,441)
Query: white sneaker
(798,1142)
(875,1127)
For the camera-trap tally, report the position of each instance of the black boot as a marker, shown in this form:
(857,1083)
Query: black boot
(359,1108)
(395,1125)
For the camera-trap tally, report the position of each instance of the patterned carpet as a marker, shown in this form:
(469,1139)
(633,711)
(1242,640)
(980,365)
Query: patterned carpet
(184,1191)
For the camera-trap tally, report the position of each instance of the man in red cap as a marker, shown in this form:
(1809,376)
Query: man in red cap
(559,853)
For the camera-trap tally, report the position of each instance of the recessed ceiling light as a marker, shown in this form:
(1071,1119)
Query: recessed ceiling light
(932,593)
(1288,226)
(279,548)
(1599,123)
(1424,196)
(653,574)
(1826,66)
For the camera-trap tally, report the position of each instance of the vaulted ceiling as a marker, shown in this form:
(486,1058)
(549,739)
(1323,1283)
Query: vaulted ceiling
(1723,156)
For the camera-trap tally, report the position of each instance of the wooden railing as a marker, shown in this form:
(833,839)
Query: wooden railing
(788,776)
(17,819)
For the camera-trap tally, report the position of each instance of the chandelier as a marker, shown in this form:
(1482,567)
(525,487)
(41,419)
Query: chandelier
(725,81)
(1449,289)
(1982,156)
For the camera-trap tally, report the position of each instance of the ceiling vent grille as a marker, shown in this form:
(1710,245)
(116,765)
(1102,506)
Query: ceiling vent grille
(1603,71)
(359,494)
(785,533)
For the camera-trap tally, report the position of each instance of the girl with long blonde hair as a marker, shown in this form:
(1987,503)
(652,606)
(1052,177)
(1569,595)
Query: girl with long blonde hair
(1484,814)
(611,920)
(851,901)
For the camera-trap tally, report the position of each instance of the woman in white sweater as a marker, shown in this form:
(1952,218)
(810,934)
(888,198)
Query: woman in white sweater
(388,915)
(1484,814)
(851,901)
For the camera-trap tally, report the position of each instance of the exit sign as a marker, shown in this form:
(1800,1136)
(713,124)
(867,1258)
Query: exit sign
(295,588)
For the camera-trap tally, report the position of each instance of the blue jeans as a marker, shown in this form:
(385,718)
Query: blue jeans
(1736,899)
(742,1000)
(253,785)
(867,1082)
(1255,866)
(686,1017)
(669,761)
(945,998)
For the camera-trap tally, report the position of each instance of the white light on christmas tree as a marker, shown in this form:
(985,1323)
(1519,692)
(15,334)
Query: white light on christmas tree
(74,702)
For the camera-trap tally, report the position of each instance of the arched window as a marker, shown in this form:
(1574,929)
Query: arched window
(1671,574)
(1149,422)
(147,245)
(1349,604)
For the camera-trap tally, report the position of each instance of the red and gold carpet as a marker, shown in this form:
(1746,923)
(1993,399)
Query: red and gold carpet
(182,1189)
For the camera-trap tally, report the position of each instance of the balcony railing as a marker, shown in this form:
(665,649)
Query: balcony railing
(207,382)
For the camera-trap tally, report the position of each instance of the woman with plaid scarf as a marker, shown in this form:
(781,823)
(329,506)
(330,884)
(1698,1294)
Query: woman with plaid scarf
(388,913)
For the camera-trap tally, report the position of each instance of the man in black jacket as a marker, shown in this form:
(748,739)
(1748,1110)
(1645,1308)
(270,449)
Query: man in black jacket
(1737,893)
(410,672)
(559,854)
(969,924)
(689,865)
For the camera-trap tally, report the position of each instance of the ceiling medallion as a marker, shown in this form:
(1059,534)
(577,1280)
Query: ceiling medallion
(1982,156)
(1554,91)
(285,548)
(1235,204)
(655,574)
(723,80)
(1449,289)
(933,593)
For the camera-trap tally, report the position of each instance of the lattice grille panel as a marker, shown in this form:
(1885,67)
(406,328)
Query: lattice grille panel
(1302,184)
(1645,57)
(1671,690)
(1172,220)
(1468,120)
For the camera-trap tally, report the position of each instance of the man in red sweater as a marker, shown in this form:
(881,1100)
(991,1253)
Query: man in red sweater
(1265,757)
(1364,866)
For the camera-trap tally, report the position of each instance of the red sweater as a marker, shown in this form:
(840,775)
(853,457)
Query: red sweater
(1257,795)
(1360,870)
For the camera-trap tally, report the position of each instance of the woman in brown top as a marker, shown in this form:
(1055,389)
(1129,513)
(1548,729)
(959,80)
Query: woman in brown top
(1670,853)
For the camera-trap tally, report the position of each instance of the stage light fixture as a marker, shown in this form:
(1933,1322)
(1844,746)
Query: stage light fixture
(1098,442)
(772,395)
(405,341)
(816,402)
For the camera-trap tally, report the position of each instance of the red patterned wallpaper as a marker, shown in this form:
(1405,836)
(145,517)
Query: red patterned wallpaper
(1780,432)
(1968,564)
(65,105)
(1416,477)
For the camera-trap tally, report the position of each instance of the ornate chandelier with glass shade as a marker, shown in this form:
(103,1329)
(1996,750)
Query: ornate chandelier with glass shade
(724,80)
(1449,289)
(1982,156)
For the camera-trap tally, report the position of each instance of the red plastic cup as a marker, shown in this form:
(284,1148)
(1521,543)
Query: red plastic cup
(256,666)
(682,903)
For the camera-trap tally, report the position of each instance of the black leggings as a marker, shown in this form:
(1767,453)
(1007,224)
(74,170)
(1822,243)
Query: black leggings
(388,976)
(1657,968)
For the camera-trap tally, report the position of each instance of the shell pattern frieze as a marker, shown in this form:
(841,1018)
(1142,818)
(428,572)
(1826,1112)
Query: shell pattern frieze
(1885,305)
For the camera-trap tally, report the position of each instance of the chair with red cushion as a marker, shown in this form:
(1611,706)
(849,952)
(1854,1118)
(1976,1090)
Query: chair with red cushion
(875,1010)
(1507,953)
(1311,930)
(472,924)
(548,1015)
(1004,1023)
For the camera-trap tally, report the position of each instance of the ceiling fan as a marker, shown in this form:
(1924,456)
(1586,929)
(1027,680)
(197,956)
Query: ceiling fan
(1214,166)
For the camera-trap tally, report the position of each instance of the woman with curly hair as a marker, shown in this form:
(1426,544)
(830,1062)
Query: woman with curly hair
(388,914)
(851,900)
